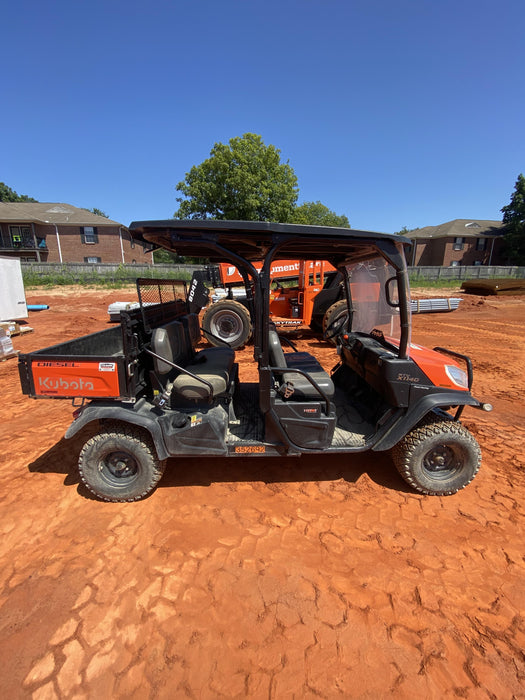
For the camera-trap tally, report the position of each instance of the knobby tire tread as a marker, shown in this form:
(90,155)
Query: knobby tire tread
(404,450)
(137,436)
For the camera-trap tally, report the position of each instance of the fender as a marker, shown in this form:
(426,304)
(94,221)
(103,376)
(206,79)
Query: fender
(140,414)
(418,411)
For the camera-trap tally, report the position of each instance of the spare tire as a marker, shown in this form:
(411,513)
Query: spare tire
(227,321)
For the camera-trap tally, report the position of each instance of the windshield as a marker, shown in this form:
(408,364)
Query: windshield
(374,298)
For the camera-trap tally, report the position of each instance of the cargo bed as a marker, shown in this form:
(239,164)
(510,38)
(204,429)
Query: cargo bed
(108,364)
(93,366)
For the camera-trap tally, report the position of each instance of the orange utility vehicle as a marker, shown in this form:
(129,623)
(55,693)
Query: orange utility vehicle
(144,392)
(303,292)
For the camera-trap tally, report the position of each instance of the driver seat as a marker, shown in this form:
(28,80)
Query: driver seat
(299,386)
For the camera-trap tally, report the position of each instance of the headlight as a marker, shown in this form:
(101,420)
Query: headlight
(457,375)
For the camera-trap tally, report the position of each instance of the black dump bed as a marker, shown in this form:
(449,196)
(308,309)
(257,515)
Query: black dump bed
(108,364)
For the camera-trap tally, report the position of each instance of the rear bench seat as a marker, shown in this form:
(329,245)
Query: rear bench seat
(302,389)
(176,342)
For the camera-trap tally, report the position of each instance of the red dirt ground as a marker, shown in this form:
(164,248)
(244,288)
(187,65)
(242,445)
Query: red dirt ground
(265,578)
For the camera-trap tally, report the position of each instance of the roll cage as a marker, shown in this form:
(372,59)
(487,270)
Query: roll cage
(245,242)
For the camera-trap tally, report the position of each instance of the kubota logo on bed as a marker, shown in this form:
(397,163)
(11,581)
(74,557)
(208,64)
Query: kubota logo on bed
(56,383)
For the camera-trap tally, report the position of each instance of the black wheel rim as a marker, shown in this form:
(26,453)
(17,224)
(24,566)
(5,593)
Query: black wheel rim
(119,468)
(443,461)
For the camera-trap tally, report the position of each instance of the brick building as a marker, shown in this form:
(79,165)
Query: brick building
(458,242)
(51,232)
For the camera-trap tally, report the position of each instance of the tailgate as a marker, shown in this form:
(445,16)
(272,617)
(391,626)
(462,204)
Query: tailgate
(94,366)
(103,377)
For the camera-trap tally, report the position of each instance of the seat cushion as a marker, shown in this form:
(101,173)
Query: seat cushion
(220,355)
(301,360)
(302,389)
(213,365)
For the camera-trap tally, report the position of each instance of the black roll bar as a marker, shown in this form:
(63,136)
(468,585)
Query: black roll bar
(283,370)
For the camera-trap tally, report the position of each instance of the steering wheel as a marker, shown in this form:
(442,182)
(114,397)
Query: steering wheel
(338,326)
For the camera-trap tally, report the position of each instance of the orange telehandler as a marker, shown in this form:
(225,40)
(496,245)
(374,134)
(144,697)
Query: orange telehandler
(304,292)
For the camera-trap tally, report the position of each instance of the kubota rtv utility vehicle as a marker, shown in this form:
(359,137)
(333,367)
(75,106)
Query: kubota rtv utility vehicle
(149,395)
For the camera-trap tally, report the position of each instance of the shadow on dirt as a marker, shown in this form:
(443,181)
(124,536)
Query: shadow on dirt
(62,458)
(310,467)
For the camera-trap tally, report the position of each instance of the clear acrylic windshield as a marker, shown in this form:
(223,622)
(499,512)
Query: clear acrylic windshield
(374,294)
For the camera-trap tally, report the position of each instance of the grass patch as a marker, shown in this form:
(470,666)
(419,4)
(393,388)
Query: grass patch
(121,277)
(416,281)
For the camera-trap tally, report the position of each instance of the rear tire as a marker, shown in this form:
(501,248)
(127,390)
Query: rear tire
(438,459)
(120,465)
(229,321)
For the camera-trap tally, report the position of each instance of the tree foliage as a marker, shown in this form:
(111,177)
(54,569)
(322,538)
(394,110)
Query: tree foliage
(167,257)
(98,212)
(317,214)
(514,218)
(9,195)
(405,231)
(242,180)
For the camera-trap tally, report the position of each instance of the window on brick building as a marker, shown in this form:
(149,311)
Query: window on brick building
(481,244)
(92,259)
(21,237)
(459,242)
(88,234)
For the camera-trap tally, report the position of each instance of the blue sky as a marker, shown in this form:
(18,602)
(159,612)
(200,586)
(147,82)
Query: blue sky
(393,112)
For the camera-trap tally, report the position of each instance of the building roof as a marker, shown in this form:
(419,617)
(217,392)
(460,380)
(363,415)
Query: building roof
(51,213)
(466,228)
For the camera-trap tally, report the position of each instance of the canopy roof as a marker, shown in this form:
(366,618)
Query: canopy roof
(253,240)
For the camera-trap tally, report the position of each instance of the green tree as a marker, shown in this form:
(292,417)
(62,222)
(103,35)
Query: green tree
(165,257)
(98,212)
(317,214)
(9,195)
(405,231)
(242,180)
(514,218)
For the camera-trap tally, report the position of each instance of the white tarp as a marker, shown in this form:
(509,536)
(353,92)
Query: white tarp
(12,295)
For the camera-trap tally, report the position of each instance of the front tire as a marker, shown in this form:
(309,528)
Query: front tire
(438,458)
(120,464)
(228,321)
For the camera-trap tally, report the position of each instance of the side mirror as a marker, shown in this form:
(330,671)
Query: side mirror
(392,292)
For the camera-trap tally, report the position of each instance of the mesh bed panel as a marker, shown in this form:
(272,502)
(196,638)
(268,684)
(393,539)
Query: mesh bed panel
(161,300)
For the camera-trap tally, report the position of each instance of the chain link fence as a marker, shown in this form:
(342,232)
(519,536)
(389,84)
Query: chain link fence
(85,272)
